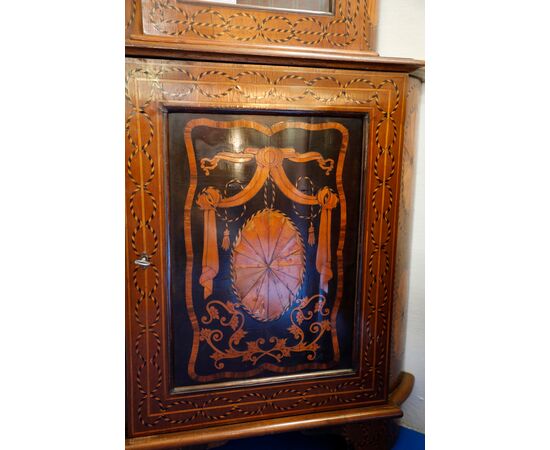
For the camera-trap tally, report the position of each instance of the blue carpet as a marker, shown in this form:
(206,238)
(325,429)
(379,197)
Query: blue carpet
(408,440)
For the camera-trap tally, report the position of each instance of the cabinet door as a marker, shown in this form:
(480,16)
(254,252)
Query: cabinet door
(261,209)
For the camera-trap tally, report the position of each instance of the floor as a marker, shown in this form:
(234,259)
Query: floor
(408,440)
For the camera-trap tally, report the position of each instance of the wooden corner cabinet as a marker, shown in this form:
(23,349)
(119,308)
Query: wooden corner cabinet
(268,211)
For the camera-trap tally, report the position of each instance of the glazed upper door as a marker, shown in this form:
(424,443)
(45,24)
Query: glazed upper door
(259,240)
(311,6)
(313,28)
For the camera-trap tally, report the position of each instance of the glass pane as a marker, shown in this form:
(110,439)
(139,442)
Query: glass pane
(264,214)
(294,5)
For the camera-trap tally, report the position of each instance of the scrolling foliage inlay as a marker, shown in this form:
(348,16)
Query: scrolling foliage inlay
(150,84)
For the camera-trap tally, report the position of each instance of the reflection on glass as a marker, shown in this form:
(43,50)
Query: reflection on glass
(296,5)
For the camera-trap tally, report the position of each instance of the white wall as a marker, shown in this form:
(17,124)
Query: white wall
(401,33)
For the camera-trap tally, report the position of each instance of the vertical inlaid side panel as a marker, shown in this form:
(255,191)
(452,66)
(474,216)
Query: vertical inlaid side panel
(403,250)
(130,15)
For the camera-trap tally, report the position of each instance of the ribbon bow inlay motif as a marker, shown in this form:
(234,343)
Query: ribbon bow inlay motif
(269,164)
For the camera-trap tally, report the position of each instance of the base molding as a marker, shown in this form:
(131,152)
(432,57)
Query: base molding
(343,417)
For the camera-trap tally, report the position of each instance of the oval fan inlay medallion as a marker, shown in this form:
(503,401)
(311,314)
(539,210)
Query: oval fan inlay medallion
(268,264)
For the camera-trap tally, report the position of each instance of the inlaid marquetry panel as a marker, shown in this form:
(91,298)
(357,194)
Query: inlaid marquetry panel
(157,89)
(270,218)
(348,28)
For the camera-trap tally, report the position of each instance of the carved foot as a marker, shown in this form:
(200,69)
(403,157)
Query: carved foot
(195,447)
(205,446)
(373,435)
(217,444)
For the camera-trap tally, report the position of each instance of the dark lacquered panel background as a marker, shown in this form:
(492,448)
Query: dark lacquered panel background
(207,142)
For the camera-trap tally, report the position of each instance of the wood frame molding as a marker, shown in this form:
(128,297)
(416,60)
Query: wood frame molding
(282,425)
(152,88)
(262,427)
(135,48)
